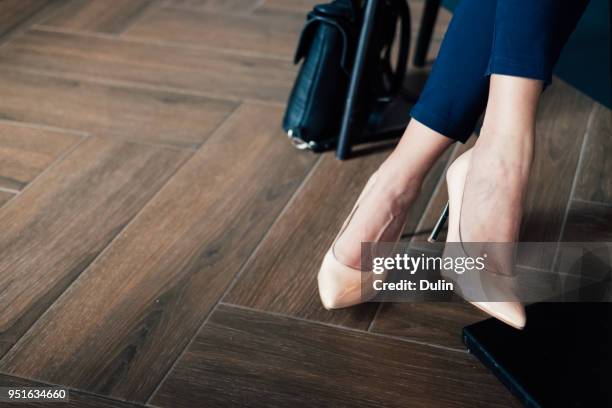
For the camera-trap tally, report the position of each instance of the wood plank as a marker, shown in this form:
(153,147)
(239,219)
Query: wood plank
(109,16)
(57,226)
(195,70)
(241,7)
(594,182)
(561,125)
(249,358)
(76,399)
(118,329)
(437,323)
(560,128)
(282,276)
(271,36)
(25,152)
(14,13)
(139,114)
(297,6)
(5,197)
(588,222)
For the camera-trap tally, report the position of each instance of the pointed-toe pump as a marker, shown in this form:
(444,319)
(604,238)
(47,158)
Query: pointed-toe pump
(511,313)
(491,292)
(341,285)
(477,287)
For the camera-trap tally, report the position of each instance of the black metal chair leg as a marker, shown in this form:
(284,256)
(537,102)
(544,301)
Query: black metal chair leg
(343,149)
(428,21)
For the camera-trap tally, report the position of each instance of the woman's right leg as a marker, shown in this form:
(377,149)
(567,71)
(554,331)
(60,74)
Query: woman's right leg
(486,194)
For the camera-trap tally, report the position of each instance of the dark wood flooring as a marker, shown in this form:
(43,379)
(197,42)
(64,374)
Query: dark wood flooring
(161,237)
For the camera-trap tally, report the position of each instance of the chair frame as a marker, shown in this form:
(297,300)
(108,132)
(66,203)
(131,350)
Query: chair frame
(348,134)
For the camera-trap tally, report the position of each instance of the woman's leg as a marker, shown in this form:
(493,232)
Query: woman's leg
(487,186)
(453,99)
(528,39)
(500,162)
(382,211)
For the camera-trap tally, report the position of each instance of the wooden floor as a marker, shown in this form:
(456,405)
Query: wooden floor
(161,237)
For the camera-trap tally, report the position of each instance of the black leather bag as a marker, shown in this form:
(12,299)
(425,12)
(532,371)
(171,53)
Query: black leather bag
(327,46)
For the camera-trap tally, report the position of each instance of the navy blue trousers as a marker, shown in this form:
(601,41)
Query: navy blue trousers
(508,37)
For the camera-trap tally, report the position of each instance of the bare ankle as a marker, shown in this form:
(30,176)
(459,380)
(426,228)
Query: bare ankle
(400,181)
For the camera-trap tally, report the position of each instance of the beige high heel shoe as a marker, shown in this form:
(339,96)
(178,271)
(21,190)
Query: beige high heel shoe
(486,284)
(342,285)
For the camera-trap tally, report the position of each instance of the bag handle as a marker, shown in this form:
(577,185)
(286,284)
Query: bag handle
(319,16)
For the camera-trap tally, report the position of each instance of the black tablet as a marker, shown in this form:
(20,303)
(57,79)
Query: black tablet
(563,357)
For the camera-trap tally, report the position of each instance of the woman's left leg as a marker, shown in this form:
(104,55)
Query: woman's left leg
(487,207)
(528,39)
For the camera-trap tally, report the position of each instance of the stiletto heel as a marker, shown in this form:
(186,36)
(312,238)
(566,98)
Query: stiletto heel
(433,237)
